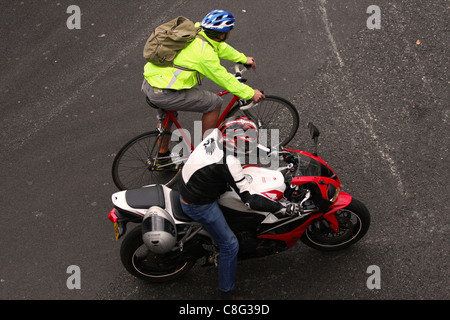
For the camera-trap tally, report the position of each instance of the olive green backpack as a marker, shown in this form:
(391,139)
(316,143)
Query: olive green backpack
(168,40)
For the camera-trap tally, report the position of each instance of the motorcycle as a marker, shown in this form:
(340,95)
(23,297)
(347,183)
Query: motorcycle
(166,244)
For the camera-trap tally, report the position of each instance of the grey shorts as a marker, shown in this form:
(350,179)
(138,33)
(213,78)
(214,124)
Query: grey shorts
(192,100)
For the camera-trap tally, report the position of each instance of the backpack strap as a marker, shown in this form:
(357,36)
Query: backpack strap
(203,38)
(199,81)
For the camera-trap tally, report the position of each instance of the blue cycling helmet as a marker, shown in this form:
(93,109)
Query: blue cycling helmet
(219,20)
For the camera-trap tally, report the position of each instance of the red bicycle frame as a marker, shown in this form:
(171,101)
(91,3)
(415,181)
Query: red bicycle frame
(171,117)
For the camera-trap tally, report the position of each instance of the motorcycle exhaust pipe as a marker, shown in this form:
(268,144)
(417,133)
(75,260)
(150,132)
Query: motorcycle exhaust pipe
(192,250)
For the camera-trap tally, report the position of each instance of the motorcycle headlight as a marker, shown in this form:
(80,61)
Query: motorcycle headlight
(333,193)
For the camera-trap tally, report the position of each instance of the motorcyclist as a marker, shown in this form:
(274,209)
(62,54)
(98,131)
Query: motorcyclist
(211,167)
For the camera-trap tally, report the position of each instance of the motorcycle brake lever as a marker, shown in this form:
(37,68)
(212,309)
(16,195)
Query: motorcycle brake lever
(307,196)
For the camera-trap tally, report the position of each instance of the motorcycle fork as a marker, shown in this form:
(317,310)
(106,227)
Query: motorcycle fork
(342,201)
(332,221)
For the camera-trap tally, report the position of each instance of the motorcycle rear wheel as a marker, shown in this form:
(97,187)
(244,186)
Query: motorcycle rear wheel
(354,222)
(148,266)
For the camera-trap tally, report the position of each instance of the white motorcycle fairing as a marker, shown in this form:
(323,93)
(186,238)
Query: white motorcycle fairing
(139,201)
(269,183)
(263,181)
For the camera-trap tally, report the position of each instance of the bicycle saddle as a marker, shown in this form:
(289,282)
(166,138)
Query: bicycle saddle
(150,103)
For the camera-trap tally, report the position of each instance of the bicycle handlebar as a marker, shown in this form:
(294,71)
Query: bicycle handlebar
(238,70)
(248,106)
(238,75)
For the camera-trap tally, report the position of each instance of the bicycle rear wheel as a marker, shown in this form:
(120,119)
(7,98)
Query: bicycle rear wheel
(137,163)
(277,115)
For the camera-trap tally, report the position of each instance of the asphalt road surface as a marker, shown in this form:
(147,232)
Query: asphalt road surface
(70,98)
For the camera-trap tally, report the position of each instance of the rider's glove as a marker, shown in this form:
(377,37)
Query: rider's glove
(291,209)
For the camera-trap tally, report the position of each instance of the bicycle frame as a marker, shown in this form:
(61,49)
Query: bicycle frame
(229,106)
(171,117)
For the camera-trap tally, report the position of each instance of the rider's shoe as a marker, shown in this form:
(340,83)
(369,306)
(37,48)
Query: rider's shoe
(164,163)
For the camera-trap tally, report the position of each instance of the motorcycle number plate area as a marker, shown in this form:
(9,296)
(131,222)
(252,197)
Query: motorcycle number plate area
(116,230)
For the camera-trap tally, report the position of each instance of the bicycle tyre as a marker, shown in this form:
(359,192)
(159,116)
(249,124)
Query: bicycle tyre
(134,164)
(273,113)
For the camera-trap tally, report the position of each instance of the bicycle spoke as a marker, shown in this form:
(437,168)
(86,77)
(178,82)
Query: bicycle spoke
(274,113)
(137,163)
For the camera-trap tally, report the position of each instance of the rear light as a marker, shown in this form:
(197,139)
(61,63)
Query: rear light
(112,216)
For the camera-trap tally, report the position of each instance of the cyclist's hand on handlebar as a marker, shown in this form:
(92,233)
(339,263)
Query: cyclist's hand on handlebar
(251,64)
(258,96)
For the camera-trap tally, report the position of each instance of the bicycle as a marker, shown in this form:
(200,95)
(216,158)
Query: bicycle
(137,163)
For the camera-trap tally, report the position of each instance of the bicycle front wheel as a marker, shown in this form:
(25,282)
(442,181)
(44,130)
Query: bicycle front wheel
(137,163)
(277,116)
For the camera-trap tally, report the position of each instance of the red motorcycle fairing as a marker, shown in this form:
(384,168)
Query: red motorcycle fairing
(292,237)
(310,155)
(342,201)
(322,182)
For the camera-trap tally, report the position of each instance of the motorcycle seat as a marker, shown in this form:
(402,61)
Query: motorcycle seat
(145,198)
(177,211)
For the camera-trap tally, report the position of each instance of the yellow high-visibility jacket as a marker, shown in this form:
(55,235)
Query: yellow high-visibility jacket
(203,60)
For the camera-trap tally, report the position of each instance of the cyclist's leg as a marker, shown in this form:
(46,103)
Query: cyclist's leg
(209,121)
(156,95)
(164,142)
(191,100)
(206,102)
(203,101)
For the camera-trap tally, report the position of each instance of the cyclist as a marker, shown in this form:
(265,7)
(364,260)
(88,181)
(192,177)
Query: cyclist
(206,175)
(172,88)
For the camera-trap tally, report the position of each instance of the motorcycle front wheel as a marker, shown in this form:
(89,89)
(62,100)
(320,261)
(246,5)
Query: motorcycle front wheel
(148,266)
(354,222)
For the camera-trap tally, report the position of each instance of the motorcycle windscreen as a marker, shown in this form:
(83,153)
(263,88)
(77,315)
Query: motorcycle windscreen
(308,166)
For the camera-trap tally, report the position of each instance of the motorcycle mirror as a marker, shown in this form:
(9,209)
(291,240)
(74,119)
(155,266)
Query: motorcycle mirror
(315,133)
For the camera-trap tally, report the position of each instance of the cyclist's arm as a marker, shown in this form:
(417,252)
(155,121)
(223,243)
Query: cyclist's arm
(224,50)
(209,66)
(227,52)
